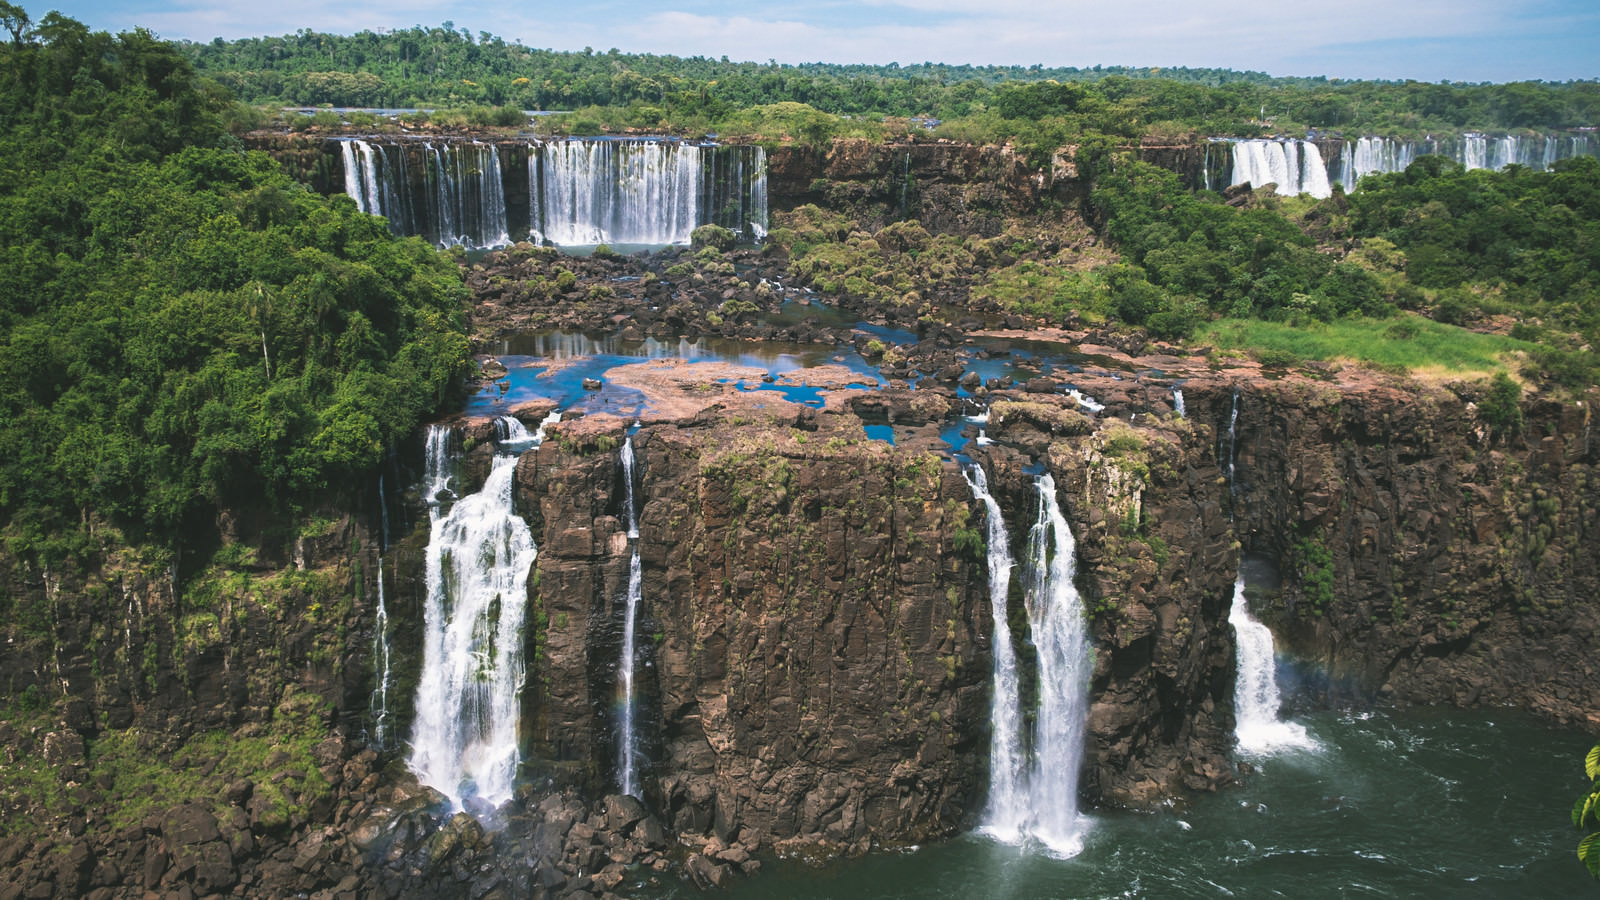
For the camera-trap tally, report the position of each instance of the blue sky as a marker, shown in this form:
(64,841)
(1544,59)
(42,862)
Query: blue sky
(1429,40)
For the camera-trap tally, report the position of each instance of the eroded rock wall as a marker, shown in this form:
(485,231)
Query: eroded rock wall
(816,665)
(1425,557)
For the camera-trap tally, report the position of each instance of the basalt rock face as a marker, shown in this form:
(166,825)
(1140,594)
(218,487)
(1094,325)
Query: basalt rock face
(814,663)
(1155,557)
(1425,558)
(182,736)
(949,187)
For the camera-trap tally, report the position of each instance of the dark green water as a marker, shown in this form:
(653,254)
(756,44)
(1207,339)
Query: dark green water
(1426,803)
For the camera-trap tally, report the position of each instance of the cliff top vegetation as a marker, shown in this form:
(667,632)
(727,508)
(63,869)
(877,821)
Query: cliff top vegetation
(183,328)
(446,67)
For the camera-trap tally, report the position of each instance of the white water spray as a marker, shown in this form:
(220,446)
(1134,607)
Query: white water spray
(464,741)
(1061,638)
(1038,802)
(627,750)
(1257,729)
(1008,801)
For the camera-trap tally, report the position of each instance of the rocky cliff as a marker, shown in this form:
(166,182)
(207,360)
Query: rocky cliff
(818,673)
(1426,557)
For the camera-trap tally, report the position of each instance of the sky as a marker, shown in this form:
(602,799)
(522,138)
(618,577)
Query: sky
(1426,40)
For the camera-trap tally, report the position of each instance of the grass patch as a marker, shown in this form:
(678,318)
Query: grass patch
(1420,344)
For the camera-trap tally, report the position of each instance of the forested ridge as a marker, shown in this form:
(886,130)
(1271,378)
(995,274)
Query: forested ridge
(446,66)
(183,328)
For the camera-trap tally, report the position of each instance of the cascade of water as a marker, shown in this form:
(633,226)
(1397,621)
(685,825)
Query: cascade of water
(627,752)
(464,742)
(378,702)
(1233,425)
(1038,802)
(579,191)
(1061,639)
(756,220)
(1257,729)
(1313,171)
(1295,166)
(1086,401)
(1474,151)
(1007,814)
(491,230)
(1177,402)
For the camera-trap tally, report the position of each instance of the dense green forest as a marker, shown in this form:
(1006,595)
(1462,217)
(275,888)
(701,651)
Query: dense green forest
(184,328)
(447,67)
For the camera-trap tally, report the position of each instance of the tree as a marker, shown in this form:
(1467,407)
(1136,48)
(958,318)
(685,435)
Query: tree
(1586,814)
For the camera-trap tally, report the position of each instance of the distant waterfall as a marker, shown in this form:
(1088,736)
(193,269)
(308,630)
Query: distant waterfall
(1177,402)
(1257,729)
(1374,155)
(379,703)
(464,741)
(1038,802)
(1233,440)
(582,191)
(643,192)
(1007,814)
(627,743)
(449,193)
(1295,166)
(1299,166)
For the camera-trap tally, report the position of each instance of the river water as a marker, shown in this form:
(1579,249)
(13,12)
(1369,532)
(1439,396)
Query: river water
(1423,803)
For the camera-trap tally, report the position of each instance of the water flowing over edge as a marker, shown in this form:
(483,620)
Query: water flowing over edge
(1008,805)
(627,751)
(1297,166)
(480,552)
(579,191)
(1038,802)
(1258,730)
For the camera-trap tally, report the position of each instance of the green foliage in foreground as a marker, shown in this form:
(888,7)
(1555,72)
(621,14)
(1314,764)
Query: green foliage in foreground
(1586,814)
(182,327)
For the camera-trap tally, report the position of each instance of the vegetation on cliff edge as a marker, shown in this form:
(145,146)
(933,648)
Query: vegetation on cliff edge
(184,327)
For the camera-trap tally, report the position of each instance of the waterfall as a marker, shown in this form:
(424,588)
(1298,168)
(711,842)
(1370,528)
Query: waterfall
(1257,729)
(643,192)
(464,741)
(581,191)
(1374,156)
(1038,802)
(1007,814)
(1233,436)
(378,702)
(1177,402)
(627,750)
(1295,166)
(1061,640)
